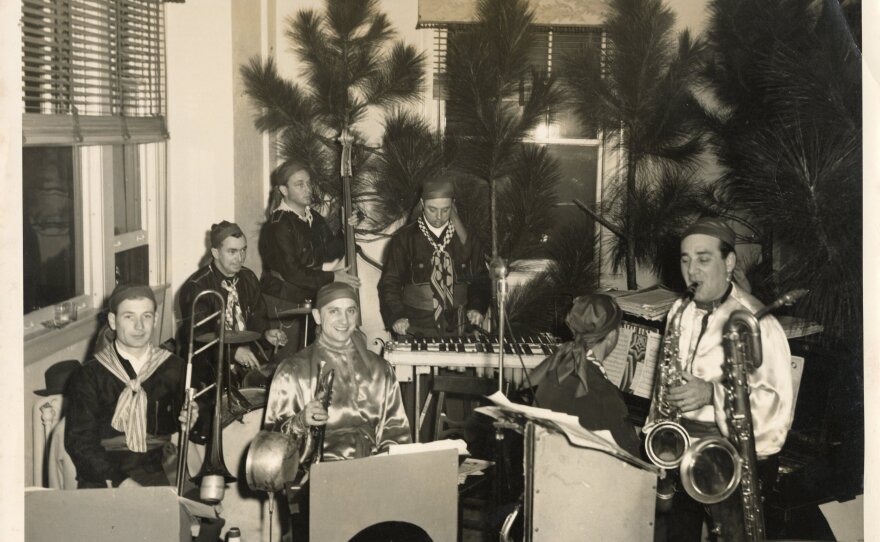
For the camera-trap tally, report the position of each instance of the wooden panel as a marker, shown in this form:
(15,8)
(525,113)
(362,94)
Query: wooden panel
(582,494)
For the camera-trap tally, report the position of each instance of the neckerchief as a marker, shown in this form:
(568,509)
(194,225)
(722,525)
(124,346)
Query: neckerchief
(709,307)
(570,358)
(130,415)
(306,216)
(233,316)
(442,275)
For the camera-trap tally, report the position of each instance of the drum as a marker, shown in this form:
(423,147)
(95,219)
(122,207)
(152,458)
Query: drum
(249,399)
(241,507)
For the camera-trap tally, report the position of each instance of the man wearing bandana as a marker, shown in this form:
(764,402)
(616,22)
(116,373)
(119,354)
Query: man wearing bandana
(434,281)
(124,403)
(365,415)
(243,308)
(708,260)
(573,380)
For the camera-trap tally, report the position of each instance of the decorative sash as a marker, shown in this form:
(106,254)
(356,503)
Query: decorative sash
(442,275)
(233,316)
(130,415)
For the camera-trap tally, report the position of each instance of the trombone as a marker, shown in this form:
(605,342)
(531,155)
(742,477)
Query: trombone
(213,475)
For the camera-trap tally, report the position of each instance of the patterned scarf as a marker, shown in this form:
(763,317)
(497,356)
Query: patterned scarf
(442,275)
(130,415)
(232,315)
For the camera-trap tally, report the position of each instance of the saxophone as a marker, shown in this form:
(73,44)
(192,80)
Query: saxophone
(665,439)
(734,462)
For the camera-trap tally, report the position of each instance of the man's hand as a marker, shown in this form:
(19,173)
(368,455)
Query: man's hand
(276,337)
(193,418)
(245,357)
(342,275)
(693,394)
(400,326)
(475,318)
(314,414)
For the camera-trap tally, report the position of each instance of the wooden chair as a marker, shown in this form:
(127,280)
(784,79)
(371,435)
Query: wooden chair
(471,389)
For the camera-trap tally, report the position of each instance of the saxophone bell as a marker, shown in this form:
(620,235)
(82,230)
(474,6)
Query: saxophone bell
(710,470)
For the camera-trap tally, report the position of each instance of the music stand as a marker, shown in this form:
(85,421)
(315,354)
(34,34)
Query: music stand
(420,488)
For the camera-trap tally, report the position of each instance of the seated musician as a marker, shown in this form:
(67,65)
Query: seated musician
(294,244)
(434,280)
(573,380)
(244,308)
(366,411)
(123,404)
(708,260)
(365,414)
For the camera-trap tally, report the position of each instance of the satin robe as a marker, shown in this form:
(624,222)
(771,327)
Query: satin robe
(366,413)
(771,386)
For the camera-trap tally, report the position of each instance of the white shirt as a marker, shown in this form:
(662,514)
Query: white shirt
(306,216)
(137,362)
(437,231)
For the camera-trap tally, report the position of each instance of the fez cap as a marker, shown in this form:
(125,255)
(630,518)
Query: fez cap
(593,316)
(130,291)
(713,227)
(219,232)
(332,292)
(438,188)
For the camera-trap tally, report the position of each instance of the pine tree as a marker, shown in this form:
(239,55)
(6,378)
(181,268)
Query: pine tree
(640,96)
(350,66)
(787,75)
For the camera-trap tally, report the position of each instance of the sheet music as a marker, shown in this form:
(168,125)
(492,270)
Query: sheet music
(631,364)
(565,423)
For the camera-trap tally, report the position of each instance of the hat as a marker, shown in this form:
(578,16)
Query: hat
(593,316)
(130,291)
(56,377)
(219,232)
(334,291)
(438,188)
(713,227)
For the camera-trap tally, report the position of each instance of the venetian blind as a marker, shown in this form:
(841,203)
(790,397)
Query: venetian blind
(93,71)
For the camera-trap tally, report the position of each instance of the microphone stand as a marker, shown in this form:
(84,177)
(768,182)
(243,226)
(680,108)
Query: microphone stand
(498,270)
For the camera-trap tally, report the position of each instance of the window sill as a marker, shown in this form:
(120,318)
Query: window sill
(43,342)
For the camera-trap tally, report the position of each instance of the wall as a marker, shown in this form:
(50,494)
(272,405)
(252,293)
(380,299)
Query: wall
(201,151)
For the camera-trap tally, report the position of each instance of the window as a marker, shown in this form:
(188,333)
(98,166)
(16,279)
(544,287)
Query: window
(93,159)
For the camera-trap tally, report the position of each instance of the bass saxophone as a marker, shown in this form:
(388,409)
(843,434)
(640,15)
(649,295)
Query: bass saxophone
(665,439)
(714,468)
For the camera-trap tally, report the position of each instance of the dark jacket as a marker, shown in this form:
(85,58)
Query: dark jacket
(293,252)
(408,262)
(92,394)
(253,307)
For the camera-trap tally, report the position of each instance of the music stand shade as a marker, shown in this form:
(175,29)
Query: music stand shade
(230,337)
(419,488)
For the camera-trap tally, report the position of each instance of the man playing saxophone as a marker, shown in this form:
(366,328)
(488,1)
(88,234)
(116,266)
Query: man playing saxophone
(708,260)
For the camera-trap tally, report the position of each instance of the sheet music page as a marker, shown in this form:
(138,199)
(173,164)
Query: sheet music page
(630,366)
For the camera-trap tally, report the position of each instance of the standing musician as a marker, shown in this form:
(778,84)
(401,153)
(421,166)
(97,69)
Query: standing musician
(708,260)
(434,280)
(295,242)
(122,402)
(573,380)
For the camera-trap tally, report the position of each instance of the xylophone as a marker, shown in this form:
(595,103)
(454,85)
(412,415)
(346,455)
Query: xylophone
(414,356)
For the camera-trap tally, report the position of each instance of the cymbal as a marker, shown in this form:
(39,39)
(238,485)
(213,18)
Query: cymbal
(230,337)
(299,310)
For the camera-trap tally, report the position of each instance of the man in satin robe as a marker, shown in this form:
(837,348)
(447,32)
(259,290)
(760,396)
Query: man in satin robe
(434,280)
(366,411)
(708,260)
